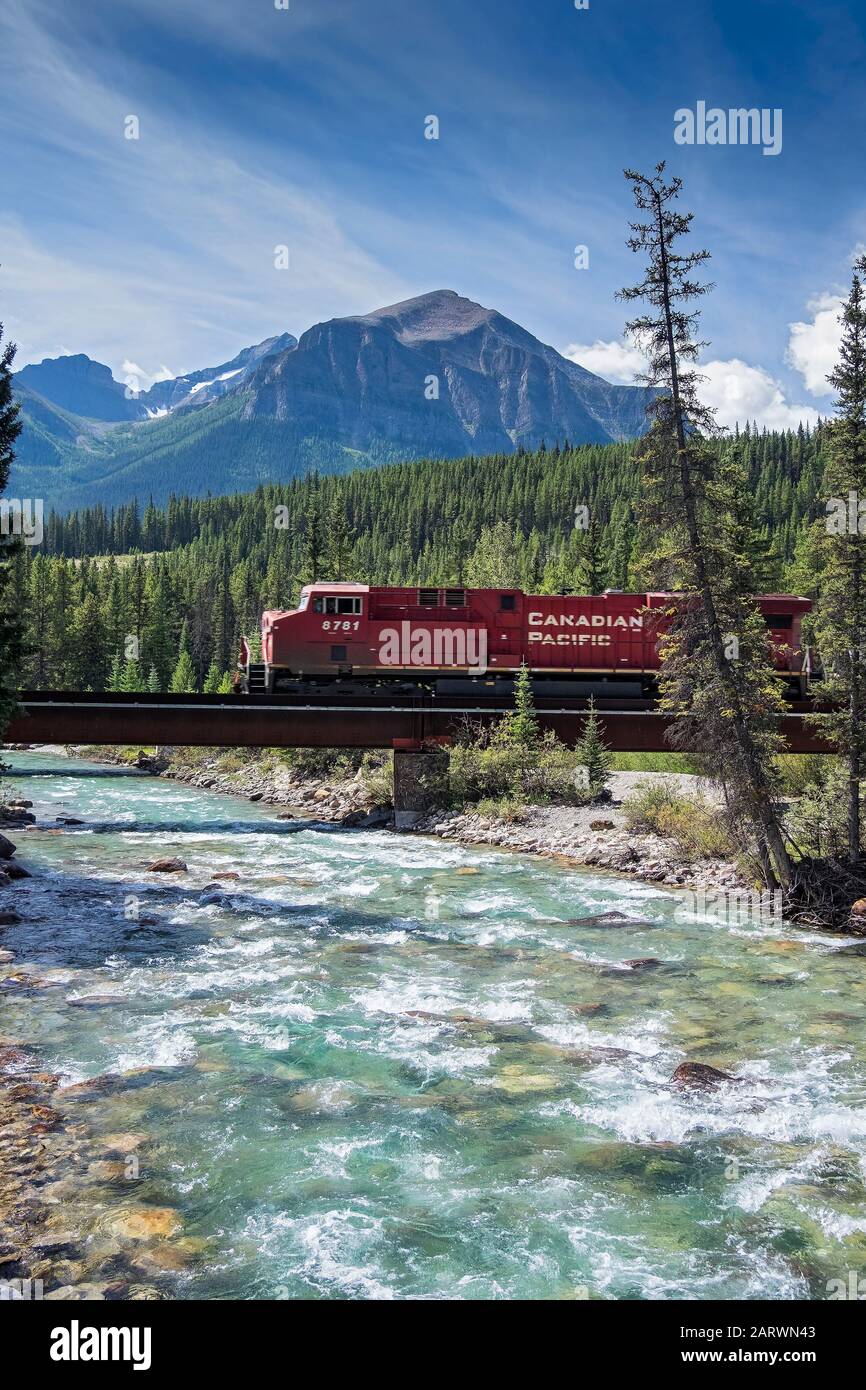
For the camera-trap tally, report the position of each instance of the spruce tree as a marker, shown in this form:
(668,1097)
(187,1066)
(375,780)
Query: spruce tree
(715,656)
(841,616)
(213,680)
(183,679)
(592,563)
(339,540)
(311,563)
(12,649)
(593,753)
(519,729)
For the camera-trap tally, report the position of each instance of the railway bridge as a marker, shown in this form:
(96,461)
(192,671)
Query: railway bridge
(410,725)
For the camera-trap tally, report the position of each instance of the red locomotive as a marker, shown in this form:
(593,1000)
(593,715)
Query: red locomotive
(457,640)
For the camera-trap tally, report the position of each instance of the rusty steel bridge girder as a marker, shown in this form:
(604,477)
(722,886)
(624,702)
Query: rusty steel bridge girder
(291,721)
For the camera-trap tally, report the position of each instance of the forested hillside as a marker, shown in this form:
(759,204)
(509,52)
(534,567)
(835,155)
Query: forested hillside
(178,585)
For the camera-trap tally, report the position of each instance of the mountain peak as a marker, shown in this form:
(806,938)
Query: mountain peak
(437,316)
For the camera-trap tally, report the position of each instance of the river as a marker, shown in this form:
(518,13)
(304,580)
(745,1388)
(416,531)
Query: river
(386,1066)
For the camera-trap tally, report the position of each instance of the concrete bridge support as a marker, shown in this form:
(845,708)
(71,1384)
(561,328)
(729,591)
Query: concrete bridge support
(419,783)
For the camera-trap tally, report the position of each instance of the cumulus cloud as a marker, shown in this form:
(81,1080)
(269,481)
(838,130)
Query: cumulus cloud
(616,361)
(737,392)
(814,347)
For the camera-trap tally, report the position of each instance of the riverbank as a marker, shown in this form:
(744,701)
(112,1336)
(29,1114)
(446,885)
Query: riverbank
(596,836)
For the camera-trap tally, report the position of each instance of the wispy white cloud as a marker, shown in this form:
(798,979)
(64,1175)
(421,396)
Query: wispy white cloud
(164,247)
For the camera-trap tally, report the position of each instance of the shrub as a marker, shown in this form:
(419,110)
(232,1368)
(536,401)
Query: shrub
(697,827)
(818,819)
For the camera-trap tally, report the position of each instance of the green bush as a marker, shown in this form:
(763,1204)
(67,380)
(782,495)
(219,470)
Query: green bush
(697,827)
(818,818)
(487,770)
(804,773)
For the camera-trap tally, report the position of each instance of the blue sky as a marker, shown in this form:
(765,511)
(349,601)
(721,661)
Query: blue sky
(261,127)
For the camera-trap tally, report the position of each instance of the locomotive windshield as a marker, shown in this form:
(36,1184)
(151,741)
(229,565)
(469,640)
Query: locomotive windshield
(334,603)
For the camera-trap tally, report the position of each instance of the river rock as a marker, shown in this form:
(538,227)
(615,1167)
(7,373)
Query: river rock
(144,1223)
(607,919)
(700,1076)
(9,919)
(7,849)
(95,1001)
(227,873)
(6,957)
(167,866)
(15,870)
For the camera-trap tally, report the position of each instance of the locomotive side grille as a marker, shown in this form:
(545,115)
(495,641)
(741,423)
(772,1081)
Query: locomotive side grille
(428,598)
(455,598)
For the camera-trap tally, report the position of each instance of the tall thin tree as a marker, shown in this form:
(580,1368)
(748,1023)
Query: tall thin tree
(841,616)
(715,652)
(12,649)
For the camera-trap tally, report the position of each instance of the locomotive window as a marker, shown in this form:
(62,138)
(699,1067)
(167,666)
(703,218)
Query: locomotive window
(338,653)
(779,619)
(428,598)
(318,605)
(506,603)
(335,604)
(455,598)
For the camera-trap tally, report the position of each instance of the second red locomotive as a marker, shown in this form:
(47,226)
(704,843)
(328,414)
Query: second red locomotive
(455,639)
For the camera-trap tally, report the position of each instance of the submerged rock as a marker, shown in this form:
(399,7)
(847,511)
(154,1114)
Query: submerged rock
(167,866)
(144,1223)
(700,1076)
(606,919)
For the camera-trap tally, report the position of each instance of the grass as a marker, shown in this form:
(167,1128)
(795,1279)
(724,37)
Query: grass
(654,762)
(695,825)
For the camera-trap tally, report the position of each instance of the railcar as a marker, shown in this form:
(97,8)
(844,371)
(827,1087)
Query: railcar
(355,638)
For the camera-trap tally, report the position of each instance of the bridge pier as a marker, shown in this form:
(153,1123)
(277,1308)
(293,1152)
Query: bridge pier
(418,783)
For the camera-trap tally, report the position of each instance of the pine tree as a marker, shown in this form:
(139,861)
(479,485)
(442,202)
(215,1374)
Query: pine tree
(519,729)
(311,563)
(115,678)
(715,658)
(153,685)
(593,753)
(841,615)
(131,680)
(12,646)
(183,679)
(88,655)
(591,565)
(339,545)
(213,680)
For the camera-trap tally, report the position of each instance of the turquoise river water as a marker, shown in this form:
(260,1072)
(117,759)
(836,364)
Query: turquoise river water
(387,1067)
